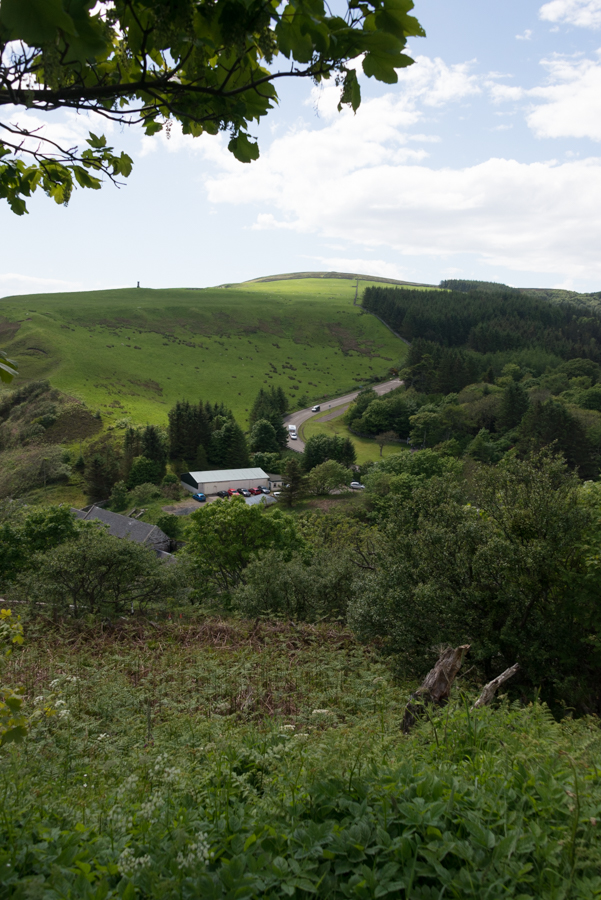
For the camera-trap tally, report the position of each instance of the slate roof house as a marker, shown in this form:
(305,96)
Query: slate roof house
(124,527)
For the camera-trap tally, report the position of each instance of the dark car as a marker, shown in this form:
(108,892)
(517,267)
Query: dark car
(265,490)
(200,497)
(223,494)
(244,492)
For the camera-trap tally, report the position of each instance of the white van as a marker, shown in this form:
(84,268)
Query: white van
(292,429)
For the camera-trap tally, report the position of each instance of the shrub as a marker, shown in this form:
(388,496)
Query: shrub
(328,476)
(143,471)
(119,496)
(144,493)
(513,575)
(171,525)
(305,591)
(98,574)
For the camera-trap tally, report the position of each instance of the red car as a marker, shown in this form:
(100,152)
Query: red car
(255,491)
(232,491)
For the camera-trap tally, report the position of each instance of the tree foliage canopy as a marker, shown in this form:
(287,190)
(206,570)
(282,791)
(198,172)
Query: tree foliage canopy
(209,65)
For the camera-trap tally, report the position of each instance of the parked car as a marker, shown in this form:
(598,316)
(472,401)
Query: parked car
(232,491)
(244,492)
(200,497)
(265,490)
(357,486)
(255,491)
(223,494)
(315,408)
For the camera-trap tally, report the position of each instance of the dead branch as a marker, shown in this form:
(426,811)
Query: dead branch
(436,687)
(489,690)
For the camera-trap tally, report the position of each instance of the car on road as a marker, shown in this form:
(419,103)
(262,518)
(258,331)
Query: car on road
(293,436)
(244,492)
(357,486)
(315,408)
(199,497)
(223,494)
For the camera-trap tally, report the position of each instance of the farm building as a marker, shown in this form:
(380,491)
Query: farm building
(223,479)
(125,527)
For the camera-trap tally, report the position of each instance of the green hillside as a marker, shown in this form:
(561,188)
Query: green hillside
(134,352)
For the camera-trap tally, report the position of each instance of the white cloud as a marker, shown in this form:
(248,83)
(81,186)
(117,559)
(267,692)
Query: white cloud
(526,36)
(430,83)
(572,106)
(15,283)
(569,105)
(541,217)
(584,13)
(67,128)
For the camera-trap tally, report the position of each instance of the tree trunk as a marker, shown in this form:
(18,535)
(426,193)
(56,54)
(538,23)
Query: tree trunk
(436,687)
(489,690)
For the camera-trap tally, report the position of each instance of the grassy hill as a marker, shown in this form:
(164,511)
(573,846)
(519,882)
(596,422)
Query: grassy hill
(134,352)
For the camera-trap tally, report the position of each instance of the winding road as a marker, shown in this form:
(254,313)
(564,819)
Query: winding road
(298,418)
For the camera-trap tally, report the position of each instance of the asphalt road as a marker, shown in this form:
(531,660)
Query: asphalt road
(302,415)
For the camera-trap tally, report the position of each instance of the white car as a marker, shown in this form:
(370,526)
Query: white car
(357,486)
(293,436)
(315,408)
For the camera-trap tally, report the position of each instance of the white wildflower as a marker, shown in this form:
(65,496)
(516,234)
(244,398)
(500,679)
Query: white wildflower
(60,703)
(63,713)
(150,809)
(320,712)
(288,727)
(302,736)
(198,851)
(118,820)
(101,737)
(38,700)
(130,864)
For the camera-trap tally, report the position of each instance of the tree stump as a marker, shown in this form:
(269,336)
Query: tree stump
(489,690)
(436,687)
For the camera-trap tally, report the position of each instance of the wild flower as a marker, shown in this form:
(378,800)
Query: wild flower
(119,820)
(149,810)
(320,712)
(197,851)
(301,736)
(288,727)
(130,864)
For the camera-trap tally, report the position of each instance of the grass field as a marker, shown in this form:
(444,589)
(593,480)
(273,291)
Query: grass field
(134,352)
(367,450)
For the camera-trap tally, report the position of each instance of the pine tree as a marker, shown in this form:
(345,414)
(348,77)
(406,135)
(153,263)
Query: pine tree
(152,445)
(293,480)
(514,405)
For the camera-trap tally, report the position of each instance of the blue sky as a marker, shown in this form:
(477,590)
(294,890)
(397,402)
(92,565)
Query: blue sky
(483,162)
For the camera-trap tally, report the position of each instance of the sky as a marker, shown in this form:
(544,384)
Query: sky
(483,162)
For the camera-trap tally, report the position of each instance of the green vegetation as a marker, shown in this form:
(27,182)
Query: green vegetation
(366,450)
(134,353)
(227,723)
(264,760)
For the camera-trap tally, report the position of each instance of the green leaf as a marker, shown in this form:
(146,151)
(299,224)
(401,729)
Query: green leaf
(351,91)
(243,149)
(35,21)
